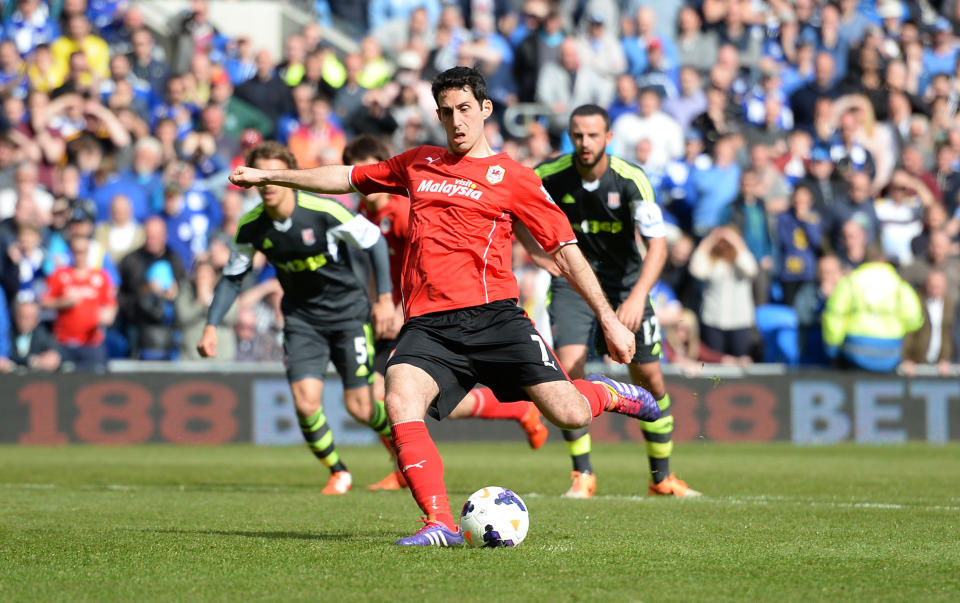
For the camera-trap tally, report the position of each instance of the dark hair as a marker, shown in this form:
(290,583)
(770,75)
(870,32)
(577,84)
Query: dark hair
(588,110)
(272,150)
(365,147)
(460,78)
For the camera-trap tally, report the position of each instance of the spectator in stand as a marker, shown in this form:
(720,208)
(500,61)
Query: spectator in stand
(122,233)
(682,346)
(653,124)
(748,214)
(156,316)
(773,187)
(567,83)
(238,114)
(868,314)
(691,101)
(933,342)
(319,134)
(660,74)
(252,344)
(376,70)
(809,305)
(626,99)
(857,205)
(802,101)
(827,186)
(853,245)
(746,38)
(26,184)
(194,34)
(726,268)
(695,47)
(913,163)
(144,62)
(349,97)
(85,304)
(380,12)
(240,64)
(13,76)
(799,231)
(78,38)
(714,188)
(600,51)
(32,346)
(373,117)
(540,46)
(900,214)
(26,254)
(210,149)
(846,151)
(134,267)
(30,25)
(266,91)
(717,119)
(939,257)
(935,218)
(176,107)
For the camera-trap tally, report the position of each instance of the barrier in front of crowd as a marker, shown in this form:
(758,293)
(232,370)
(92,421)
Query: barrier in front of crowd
(195,404)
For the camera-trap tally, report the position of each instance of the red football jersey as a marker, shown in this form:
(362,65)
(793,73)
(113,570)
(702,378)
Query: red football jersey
(79,324)
(394,222)
(461,224)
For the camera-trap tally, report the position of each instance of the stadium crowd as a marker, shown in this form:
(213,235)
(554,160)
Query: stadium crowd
(789,142)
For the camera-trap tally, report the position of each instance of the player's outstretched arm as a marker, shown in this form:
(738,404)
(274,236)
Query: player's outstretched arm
(326,179)
(620,340)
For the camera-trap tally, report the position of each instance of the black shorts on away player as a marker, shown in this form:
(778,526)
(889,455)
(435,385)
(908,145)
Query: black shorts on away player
(308,348)
(494,344)
(574,323)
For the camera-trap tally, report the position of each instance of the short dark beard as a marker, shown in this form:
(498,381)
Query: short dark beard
(600,156)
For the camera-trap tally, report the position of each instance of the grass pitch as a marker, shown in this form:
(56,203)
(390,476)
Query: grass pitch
(247,523)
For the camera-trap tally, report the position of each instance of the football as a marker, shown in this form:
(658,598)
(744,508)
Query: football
(494,517)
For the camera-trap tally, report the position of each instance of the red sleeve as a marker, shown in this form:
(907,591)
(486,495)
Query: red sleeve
(539,213)
(388,176)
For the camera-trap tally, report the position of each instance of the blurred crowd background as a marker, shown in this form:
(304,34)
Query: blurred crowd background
(788,142)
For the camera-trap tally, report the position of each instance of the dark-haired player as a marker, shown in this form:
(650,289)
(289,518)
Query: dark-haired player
(325,306)
(392,214)
(460,295)
(608,201)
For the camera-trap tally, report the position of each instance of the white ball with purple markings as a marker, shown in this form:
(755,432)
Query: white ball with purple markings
(494,517)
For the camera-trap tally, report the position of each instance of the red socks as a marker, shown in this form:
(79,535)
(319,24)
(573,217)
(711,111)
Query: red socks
(597,395)
(421,465)
(488,407)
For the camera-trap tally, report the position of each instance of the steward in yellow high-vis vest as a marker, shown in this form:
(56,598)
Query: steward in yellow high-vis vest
(869,312)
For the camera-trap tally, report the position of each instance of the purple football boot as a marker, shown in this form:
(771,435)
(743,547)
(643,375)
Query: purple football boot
(631,400)
(433,534)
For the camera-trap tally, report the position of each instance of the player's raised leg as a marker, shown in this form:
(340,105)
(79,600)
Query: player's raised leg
(658,434)
(481,403)
(409,392)
(307,392)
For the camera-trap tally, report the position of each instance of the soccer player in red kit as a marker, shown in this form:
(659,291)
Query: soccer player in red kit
(460,295)
(392,214)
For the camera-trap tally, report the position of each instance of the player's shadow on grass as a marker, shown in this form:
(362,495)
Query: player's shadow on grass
(275,534)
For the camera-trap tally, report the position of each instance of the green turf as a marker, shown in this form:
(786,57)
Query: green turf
(246,523)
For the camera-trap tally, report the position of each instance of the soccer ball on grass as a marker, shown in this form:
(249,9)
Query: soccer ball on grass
(494,517)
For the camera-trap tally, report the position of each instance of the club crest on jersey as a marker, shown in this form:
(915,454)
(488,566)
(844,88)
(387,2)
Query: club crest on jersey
(308,237)
(385,225)
(495,174)
(613,200)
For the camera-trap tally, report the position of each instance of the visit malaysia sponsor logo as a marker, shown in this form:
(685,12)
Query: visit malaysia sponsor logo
(457,188)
